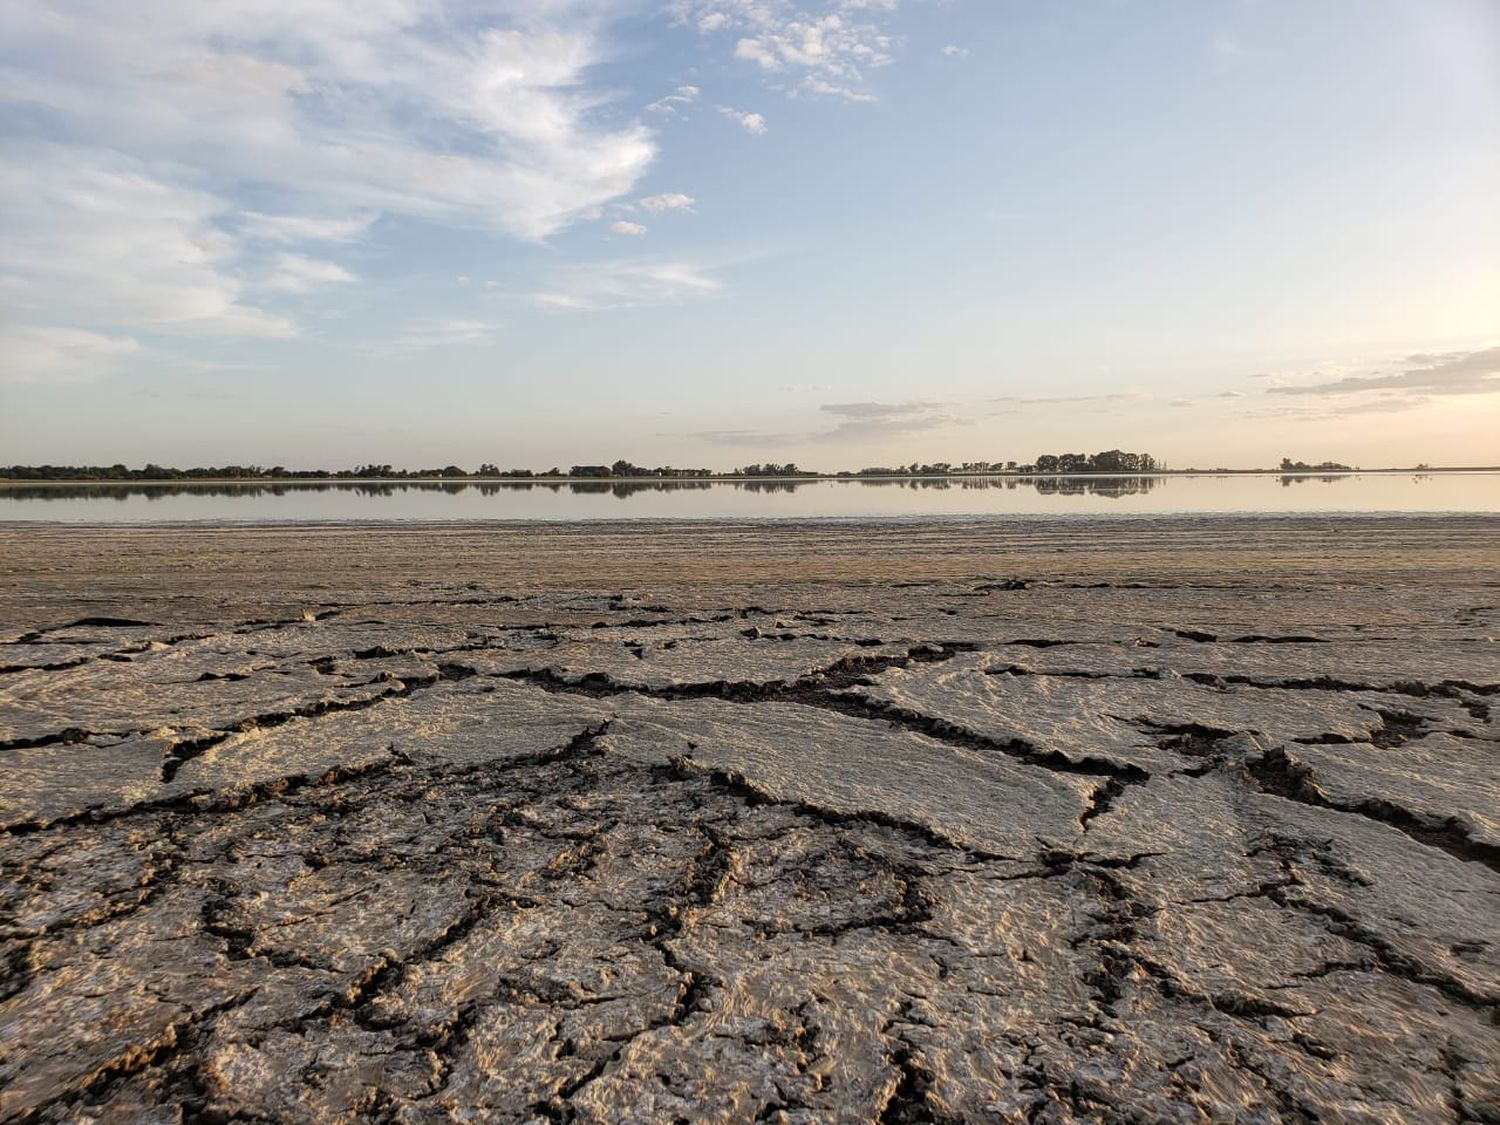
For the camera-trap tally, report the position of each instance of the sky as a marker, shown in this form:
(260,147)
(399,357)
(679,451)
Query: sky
(320,233)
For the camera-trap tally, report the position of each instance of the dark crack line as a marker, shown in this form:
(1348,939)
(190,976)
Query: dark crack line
(1275,773)
(825,690)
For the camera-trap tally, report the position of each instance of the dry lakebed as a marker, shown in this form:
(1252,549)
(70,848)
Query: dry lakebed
(1170,820)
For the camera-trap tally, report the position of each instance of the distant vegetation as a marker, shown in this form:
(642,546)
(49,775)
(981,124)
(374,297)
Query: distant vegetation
(1100,484)
(1290,466)
(1111,461)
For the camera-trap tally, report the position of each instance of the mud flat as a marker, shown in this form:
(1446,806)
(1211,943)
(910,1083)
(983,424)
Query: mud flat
(1002,822)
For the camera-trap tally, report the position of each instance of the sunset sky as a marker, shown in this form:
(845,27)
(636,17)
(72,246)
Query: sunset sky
(709,232)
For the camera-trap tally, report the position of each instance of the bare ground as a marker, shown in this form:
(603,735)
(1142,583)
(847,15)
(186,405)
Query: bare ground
(1102,821)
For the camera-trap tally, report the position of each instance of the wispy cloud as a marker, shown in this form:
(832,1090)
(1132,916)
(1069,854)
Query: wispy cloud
(672,103)
(45,352)
(445,332)
(297,273)
(302,228)
(750,439)
(100,240)
(1449,373)
(335,112)
(857,421)
(826,47)
(627,228)
(671,201)
(750,122)
(625,284)
(1048,400)
(861,420)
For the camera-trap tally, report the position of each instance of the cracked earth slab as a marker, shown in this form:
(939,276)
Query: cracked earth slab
(1160,821)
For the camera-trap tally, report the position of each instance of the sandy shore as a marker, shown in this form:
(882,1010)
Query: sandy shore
(1178,820)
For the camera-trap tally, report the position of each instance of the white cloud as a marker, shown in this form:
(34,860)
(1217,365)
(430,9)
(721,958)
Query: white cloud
(954,51)
(335,111)
(685,95)
(296,273)
(398,105)
(827,44)
(671,201)
(94,239)
(438,332)
(625,284)
(302,228)
(632,230)
(30,353)
(750,122)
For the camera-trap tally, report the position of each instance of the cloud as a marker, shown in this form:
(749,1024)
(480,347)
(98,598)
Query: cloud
(398,106)
(857,421)
(633,230)
(296,273)
(35,353)
(672,201)
(98,240)
(750,122)
(827,45)
(1448,373)
(1333,410)
(685,95)
(878,410)
(1117,396)
(882,419)
(625,284)
(748,438)
(954,51)
(302,228)
(163,114)
(431,332)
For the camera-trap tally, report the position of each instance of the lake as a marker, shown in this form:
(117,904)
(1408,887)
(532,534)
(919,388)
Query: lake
(1031,497)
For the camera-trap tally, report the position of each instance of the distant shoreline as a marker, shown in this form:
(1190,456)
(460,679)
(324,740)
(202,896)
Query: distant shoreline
(741,479)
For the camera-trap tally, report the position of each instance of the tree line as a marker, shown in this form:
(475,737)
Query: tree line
(1290,466)
(1109,461)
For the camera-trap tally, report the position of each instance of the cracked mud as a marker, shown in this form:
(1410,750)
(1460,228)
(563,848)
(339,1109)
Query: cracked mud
(733,824)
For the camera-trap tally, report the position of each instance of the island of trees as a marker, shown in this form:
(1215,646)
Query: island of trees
(1290,466)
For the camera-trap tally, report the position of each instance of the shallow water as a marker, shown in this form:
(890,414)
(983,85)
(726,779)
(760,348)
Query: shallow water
(260,502)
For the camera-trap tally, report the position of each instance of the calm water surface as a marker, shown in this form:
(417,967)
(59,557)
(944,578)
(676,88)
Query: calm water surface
(856,499)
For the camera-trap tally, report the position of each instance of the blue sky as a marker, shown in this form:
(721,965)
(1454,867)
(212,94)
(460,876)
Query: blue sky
(707,232)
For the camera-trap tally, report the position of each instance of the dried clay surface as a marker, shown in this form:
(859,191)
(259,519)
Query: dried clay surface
(1163,821)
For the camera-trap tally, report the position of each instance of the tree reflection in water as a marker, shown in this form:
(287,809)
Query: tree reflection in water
(1110,486)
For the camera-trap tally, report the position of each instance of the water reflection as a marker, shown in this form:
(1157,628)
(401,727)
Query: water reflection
(1289,479)
(860,497)
(623,489)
